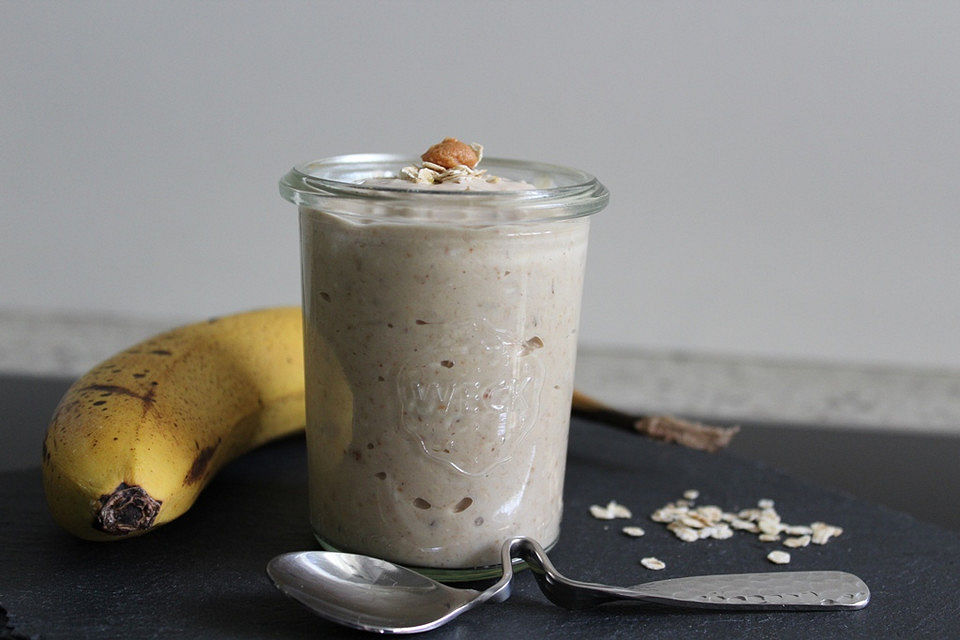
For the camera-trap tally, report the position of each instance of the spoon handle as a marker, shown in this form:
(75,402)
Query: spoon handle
(789,590)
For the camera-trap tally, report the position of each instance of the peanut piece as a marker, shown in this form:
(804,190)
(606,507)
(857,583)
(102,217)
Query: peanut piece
(451,152)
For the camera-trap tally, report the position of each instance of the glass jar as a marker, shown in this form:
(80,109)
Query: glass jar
(440,333)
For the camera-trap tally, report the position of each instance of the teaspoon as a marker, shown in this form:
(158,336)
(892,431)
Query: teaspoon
(376,595)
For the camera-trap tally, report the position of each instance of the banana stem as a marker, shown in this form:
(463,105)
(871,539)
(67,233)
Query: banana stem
(694,435)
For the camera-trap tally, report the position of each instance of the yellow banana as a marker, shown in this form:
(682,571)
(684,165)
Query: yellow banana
(134,440)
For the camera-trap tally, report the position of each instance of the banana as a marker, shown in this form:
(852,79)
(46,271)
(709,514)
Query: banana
(135,440)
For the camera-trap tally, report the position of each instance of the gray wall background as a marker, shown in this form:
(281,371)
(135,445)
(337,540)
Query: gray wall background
(785,176)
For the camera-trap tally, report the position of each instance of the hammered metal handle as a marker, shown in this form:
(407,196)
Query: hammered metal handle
(809,590)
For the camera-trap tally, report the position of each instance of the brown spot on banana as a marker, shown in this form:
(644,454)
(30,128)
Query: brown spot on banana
(200,464)
(126,510)
(146,398)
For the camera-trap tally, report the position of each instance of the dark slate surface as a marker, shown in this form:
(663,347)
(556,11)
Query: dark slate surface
(906,471)
(202,576)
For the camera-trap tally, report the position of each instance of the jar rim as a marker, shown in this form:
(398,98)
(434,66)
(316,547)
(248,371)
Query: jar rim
(333,185)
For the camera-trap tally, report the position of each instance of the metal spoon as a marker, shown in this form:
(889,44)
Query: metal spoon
(376,595)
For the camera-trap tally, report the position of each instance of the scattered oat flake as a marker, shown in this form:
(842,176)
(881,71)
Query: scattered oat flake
(653,564)
(820,536)
(822,532)
(684,533)
(609,512)
(796,530)
(600,513)
(778,557)
(691,494)
(618,510)
(744,525)
(633,532)
(662,515)
(711,512)
(749,514)
(689,523)
(793,543)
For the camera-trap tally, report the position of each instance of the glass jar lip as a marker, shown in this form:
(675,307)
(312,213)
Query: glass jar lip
(333,185)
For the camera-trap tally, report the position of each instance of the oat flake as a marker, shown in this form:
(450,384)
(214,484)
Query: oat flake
(690,523)
(823,532)
(684,533)
(796,530)
(794,543)
(778,557)
(618,510)
(600,513)
(609,512)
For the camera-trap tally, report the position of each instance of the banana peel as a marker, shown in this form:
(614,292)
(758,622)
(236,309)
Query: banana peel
(135,440)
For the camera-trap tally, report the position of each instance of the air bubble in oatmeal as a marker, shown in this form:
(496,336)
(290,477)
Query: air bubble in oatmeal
(463,505)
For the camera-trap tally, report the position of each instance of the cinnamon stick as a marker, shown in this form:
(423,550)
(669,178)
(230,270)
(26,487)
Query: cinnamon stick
(694,435)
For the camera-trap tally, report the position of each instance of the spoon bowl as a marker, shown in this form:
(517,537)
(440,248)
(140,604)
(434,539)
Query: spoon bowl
(371,594)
